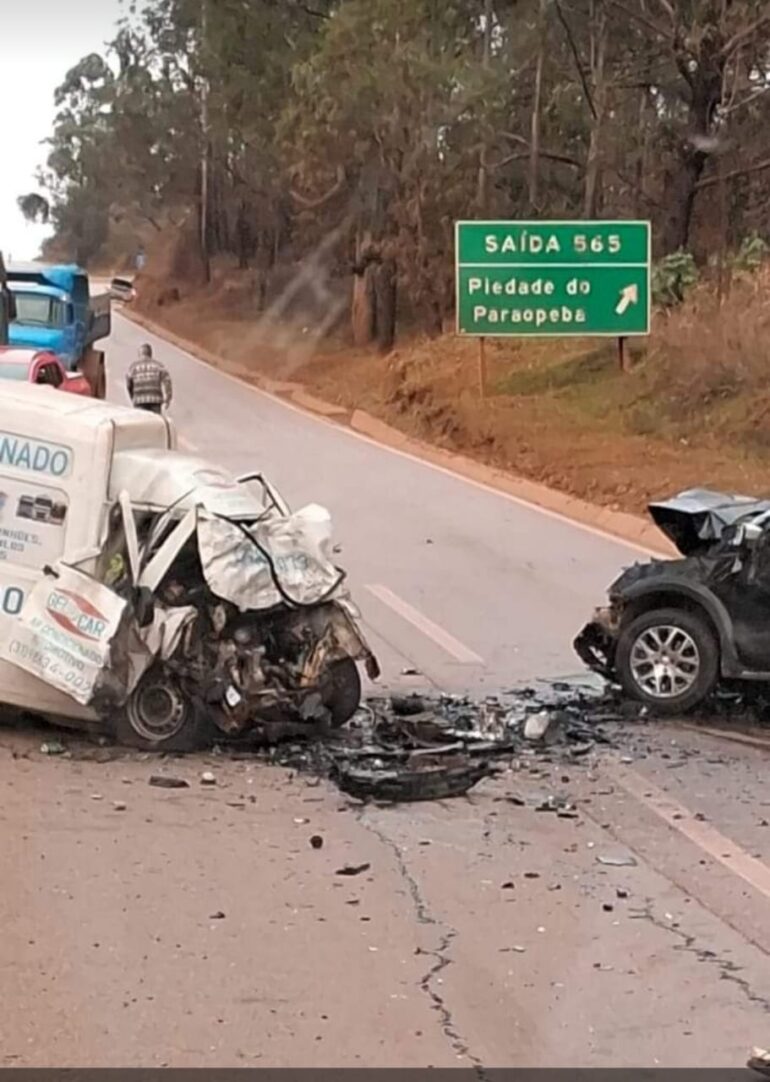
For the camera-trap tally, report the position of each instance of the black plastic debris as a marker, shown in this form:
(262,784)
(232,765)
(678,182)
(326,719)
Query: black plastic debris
(353,869)
(316,841)
(168,781)
(424,780)
(422,747)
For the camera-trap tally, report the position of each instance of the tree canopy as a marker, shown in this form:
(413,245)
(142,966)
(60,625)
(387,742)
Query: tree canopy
(369,126)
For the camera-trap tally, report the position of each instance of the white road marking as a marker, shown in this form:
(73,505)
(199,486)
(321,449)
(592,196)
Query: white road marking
(442,638)
(707,838)
(351,433)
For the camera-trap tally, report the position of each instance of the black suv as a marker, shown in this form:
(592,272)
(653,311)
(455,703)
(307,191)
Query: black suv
(674,628)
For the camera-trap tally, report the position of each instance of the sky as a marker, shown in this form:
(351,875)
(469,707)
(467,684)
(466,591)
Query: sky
(40,40)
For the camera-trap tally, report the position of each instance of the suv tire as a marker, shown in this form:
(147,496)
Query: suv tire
(685,651)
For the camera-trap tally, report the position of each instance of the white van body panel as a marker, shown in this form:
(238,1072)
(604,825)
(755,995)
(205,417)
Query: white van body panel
(56,462)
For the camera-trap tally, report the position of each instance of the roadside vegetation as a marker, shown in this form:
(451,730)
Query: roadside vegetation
(293,170)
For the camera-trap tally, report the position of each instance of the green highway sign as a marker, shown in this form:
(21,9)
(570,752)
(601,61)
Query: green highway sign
(553,278)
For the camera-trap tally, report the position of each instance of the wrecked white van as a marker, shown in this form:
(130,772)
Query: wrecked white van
(148,592)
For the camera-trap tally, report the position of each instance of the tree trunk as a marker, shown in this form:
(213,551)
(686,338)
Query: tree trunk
(643,157)
(681,182)
(363,305)
(243,237)
(482,182)
(385,296)
(534,139)
(594,160)
(706,83)
(205,166)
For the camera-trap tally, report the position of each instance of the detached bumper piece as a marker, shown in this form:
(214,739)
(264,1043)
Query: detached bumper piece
(595,646)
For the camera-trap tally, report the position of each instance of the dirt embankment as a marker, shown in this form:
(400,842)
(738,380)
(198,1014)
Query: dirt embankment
(693,409)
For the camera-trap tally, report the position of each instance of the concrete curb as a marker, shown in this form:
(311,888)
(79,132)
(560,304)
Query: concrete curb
(620,524)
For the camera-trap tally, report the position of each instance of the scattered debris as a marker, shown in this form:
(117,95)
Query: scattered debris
(168,781)
(621,893)
(417,747)
(427,747)
(608,907)
(119,805)
(759,1060)
(219,915)
(543,726)
(52,747)
(316,841)
(96,796)
(622,861)
(353,869)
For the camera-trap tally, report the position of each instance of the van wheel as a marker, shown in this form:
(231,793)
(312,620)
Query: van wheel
(159,716)
(342,691)
(668,659)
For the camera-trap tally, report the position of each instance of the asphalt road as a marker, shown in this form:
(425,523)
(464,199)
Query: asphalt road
(198,927)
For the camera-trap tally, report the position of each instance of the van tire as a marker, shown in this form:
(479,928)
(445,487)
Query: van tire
(342,691)
(159,716)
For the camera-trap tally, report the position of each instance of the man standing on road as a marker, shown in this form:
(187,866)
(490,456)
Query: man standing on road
(148,382)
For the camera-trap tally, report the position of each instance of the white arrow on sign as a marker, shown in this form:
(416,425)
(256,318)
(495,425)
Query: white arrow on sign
(628,296)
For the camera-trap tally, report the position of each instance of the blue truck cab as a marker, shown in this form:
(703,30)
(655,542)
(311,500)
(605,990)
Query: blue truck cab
(53,310)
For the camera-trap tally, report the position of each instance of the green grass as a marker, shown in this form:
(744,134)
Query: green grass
(597,366)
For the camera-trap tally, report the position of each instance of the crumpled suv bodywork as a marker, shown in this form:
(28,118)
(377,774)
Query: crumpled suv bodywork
(673,628)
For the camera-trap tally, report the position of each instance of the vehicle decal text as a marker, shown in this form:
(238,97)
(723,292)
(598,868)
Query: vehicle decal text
(34,455)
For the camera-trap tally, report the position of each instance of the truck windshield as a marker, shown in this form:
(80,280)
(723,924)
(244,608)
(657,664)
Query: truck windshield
(38,309)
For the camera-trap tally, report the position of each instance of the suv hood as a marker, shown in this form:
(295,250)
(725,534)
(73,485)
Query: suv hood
(698,518)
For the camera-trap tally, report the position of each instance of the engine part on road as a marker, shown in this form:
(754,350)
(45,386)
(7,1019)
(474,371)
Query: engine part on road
(428,780)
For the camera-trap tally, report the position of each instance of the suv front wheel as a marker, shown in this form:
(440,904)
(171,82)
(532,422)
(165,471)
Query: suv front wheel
(668,659)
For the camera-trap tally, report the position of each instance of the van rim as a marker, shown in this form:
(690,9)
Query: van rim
(157,711)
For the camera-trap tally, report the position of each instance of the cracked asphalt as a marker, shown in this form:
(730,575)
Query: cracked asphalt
(200,927)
